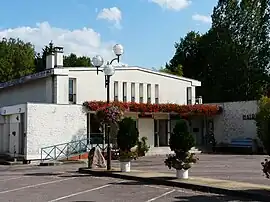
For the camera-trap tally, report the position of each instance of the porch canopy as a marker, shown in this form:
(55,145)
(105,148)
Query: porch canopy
(144,109)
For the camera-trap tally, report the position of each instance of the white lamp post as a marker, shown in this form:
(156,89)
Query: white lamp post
(109,71)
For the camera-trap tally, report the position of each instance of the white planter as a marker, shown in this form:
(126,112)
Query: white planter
(182,174)
(125,166)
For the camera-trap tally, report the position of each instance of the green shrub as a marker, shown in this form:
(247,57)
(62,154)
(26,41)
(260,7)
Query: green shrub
(128,134)
(263,122)
(263,130)
(181,141)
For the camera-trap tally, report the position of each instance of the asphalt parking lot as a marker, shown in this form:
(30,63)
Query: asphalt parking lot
(63,183)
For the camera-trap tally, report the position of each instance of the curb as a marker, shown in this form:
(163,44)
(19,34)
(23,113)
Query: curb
(57,163)
(195,187)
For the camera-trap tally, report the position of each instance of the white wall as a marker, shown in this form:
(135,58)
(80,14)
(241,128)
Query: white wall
(146,129)
(35,91)
(50,124)
(230,123)
(90,86)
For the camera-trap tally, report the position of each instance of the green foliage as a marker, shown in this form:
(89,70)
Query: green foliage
(71,60)
(178,70)
(142,147)
(263,122)
(74,61)
(181,141)
(16,59)
(232,58)
(128,134)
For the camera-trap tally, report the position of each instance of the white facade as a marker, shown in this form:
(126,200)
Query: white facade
(236,121)
(45,108)
(77,85)
(40,125)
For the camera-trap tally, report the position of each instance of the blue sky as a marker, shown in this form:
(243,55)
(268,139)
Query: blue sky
(147,29)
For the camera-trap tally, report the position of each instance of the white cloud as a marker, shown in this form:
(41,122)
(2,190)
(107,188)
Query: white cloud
(83,41)
(176,5)
(202,18)
(113,15)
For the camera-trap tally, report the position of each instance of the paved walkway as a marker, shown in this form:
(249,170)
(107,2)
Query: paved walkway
(242,168)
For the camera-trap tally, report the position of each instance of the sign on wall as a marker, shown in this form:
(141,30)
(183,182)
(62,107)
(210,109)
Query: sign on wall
(249,116)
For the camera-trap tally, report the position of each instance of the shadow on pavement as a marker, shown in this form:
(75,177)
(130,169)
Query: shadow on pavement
(128,183)
(42,174)
(201,198)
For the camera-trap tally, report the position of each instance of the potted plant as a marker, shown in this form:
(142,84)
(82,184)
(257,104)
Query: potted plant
(181,141)
(142,147)
(127,138)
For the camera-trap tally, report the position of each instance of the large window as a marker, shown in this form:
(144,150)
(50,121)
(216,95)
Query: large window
(124,91)
(132,92)
(72,91)
(156,93)
(116,91)
(189,95)
(148,93)
(141,92)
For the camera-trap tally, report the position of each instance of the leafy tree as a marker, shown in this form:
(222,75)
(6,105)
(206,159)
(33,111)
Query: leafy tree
(232,58)
(176,70)
(16,59)
(73,61)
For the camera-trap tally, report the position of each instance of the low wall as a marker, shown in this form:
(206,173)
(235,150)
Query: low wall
(236,121)
(50,124)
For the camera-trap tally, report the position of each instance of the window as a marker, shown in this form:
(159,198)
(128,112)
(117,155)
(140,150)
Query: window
(116,91)
(124,91)
(148,93)
(156,94)
(72,91)
(132,92)
(189,96)
(141,92)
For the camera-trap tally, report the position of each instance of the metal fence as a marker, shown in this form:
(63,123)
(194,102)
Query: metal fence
(77,147)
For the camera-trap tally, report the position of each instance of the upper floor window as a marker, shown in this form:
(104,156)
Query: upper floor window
(124,91)
(141,92)
(189,95)
(148,93)
(116,91)
(156,93)
(132,92)
(72,91)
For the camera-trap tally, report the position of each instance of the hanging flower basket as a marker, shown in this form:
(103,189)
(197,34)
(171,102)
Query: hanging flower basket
(109,114)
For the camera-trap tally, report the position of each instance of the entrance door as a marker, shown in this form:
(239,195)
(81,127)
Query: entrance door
(163,133)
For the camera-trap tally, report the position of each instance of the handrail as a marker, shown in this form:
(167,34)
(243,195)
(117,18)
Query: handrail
(67,149)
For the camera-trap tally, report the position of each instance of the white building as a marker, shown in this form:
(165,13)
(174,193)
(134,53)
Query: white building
(45,108)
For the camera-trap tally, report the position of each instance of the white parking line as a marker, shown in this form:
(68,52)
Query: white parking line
(36,185)
(160,196)
(78,193)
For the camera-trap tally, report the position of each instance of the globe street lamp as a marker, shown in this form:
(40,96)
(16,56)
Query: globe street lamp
(108,71)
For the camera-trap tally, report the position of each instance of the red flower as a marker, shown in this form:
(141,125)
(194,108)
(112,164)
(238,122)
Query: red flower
(185,110)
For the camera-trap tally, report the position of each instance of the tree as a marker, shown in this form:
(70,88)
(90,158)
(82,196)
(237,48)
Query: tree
(178,71)
(232,58)
(16,59)
(69,61)
(73,61)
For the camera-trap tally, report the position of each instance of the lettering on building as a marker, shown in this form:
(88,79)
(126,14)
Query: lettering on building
(249,116)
